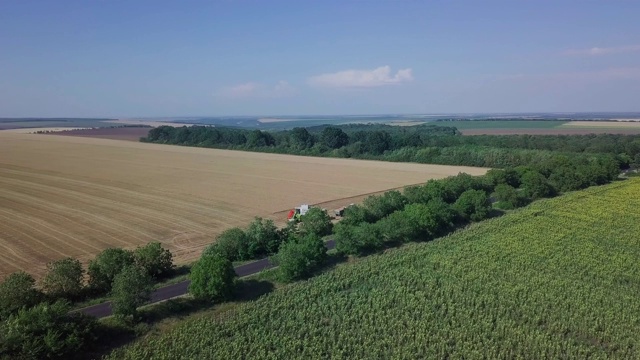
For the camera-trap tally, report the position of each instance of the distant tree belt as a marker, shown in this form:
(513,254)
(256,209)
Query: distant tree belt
(422,144)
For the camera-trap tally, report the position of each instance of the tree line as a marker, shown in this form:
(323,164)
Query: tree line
(422,144)
(297,249)
(36,319)
(425,212)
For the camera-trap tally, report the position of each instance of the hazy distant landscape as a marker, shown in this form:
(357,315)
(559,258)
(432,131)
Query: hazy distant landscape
(470,123)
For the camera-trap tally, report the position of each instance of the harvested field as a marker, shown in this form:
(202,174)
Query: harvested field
(553,131)
(43,129)
(543,127)
(119,133)
(73,196)
(153,123)
(604,124)
(406,123)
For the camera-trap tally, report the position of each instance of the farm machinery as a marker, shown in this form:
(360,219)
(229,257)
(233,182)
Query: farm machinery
(339,212)
(296,213)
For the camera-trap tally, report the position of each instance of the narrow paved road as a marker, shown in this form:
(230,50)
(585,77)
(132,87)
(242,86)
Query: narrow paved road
(171,291)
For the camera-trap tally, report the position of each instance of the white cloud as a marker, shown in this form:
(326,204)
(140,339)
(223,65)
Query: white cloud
(283,89)
(361,78)
(257,90)
(241,90)
(597,51)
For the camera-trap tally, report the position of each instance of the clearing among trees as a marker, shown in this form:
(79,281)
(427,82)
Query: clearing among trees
(63,196)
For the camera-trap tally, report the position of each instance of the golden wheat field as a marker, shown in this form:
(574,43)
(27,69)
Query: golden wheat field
(71,196)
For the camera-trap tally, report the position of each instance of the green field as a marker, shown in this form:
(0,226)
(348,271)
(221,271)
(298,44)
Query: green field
(557,279)
(506,124)
(22,123)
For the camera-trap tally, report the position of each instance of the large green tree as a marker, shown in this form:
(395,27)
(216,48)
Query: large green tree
(154,259)
(398,227)
(377,142)
(317,222)
(333,137)
(297,259)
(358,239)
(356,214)
(417,222)
(506,176)
(212,278)
(473,205)
(106,265)
(300,138)
(535,185)
(64,279)
(423,194)
(18,291)
(131,289)
(257,138)
(380,206)
(507,197)
(232,244)
(263,237)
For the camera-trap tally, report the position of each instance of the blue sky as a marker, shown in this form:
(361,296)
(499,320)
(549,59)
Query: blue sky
(188,58)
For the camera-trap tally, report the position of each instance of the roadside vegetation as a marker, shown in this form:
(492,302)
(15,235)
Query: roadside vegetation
(557,279)
(36,318)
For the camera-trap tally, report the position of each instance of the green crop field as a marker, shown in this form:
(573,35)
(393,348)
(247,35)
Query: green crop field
(559,279)
(498,124)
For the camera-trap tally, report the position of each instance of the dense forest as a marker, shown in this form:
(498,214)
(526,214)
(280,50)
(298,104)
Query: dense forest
(424,143)
(568,162)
